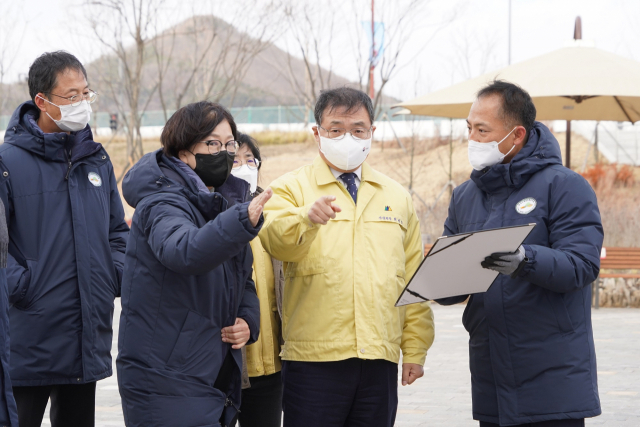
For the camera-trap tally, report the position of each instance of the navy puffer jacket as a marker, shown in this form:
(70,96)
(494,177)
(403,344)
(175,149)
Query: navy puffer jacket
(66,252)
(187,275)
(531,350)
(8,409)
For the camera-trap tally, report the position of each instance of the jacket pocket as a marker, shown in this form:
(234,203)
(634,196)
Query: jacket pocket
(560,310)
(399,279)
(22,295)
(184,343)
(311,288)
(308,267)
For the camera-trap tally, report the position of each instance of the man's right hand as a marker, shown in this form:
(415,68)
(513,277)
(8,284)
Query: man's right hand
(323,210)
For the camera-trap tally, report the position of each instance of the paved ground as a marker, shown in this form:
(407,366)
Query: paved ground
(442,397)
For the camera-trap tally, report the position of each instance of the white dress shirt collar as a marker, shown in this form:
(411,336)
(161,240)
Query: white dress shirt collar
(358,173)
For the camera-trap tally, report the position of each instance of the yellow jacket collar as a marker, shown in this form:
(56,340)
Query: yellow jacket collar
(324,176)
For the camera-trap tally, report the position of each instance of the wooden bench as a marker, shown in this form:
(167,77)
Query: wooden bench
(613,258)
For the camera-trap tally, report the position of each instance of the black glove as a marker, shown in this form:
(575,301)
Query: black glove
(509,263)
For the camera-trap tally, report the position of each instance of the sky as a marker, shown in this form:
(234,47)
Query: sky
(435,56)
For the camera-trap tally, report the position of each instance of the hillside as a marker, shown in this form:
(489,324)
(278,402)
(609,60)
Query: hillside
(264,78)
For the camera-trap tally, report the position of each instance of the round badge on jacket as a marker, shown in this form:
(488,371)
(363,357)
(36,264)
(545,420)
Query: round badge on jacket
(95,179)
(526,205)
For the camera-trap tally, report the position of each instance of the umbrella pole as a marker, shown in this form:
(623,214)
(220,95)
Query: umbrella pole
(567,158)
(450,155)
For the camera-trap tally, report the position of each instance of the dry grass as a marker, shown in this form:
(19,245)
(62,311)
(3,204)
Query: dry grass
(279,138)
(618,204)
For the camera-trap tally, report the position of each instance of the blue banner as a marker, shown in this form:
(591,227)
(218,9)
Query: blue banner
(377,37)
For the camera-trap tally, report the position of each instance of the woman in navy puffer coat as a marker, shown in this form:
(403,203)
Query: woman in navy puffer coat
(187,277)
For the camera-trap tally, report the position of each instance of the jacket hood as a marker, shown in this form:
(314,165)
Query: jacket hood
(540,151)
(23,131)
(155,174)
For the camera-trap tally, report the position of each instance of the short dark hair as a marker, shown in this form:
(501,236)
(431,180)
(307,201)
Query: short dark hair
(517,106)
(191,124)
(44,72)
(244,139)
(350,99)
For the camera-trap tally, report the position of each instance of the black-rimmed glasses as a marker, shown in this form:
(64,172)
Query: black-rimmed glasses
(214,146)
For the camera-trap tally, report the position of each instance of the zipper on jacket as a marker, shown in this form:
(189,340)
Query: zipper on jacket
(69,162)
(68,171)
(228,402)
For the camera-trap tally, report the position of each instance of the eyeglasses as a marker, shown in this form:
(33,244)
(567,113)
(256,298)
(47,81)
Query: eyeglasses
(339,133)
(252,163)
(215,146)
(75,100)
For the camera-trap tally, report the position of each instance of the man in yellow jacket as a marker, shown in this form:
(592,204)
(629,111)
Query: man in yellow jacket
(350,240)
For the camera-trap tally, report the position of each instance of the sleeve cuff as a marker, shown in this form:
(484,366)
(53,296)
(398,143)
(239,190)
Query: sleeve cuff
(305,224)
(304,219)
(243,216)
(530,262)
(413,355)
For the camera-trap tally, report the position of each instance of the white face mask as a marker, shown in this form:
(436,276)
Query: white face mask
(486,154)
(248,174)
(72,119)
(347,153)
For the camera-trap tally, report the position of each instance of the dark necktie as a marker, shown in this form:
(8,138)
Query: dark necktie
(350,181)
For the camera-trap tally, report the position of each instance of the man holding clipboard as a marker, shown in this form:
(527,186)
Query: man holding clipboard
(531,350)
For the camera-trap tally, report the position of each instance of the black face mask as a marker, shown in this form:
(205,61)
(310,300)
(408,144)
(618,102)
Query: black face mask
(214,170)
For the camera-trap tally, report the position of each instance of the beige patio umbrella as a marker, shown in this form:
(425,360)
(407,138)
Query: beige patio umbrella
(578,82)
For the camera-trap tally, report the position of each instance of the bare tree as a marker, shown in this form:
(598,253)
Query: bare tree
(318,31)
(220,76)
(401,20)
(12,29)
(309,29)
(163,48)
(206,57)
(473,54)
(125,30)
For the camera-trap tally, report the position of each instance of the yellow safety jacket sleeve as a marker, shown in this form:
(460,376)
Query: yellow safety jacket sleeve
(418,332)
(287,233)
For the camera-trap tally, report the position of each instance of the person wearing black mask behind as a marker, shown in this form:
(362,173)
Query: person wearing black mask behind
(188,302)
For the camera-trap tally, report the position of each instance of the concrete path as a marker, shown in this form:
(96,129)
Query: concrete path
(442,398)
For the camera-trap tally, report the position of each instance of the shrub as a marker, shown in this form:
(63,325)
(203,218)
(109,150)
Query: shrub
(278,137)
(609,176)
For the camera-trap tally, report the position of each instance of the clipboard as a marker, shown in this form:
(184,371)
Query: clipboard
(452,266)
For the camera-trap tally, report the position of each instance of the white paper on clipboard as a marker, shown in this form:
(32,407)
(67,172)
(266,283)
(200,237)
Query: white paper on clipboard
(452,266)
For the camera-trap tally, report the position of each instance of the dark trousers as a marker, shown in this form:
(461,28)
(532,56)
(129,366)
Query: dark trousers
(262,403)
(72,405)
(348,393)
(552,423)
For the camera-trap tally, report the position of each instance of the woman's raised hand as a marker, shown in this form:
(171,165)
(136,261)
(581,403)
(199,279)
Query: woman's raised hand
(257,206)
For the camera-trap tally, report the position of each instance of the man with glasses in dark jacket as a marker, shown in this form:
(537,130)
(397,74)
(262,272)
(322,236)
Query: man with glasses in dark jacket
(67,242)
(531,349)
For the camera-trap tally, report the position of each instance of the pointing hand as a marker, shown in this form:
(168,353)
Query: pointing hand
(323,210)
